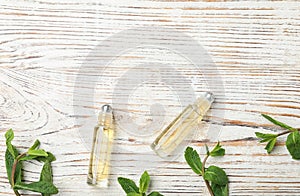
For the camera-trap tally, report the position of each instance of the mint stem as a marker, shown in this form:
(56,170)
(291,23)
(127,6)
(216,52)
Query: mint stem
(17,193)
(286,132)
(13,171)
(283,133)
(206,182)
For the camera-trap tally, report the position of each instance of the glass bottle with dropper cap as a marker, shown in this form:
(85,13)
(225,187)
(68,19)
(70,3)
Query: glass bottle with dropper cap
(172,136)
(101,150)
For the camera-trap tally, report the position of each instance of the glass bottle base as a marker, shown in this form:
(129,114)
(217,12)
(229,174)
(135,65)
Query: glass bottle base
(100,183)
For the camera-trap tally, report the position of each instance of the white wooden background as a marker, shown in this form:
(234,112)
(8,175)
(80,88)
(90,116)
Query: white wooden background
(255,45)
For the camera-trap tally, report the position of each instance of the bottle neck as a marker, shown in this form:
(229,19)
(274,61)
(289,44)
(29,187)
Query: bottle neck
(202,104)
(105,119)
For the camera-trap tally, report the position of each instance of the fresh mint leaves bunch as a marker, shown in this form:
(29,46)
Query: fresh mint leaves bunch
(292,142)
(14,162)
(214,177)
(131,188)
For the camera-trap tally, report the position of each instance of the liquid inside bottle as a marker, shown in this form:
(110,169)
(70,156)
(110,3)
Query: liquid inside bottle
(99,165)
(182,126)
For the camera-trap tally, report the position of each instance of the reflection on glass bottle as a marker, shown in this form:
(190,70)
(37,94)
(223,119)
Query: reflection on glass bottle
(101,150)
(168,141)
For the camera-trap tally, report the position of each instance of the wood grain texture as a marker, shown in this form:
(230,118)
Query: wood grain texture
(255,46)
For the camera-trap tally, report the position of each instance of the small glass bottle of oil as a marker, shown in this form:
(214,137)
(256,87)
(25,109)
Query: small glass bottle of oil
(170,139)
(101,150)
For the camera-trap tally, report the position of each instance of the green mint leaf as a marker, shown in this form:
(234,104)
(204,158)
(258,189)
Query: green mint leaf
(38,152)
(40,187)
(128,185)
(9,161)
(276,122)
(46,174)
(217,151)
(271,144)
(155,194)
(35,145)
(193,159)
(265,137)
(293,144)
(28,158)
(11,151)
(220,190)
(49,158)
(9,135)
(134,194)
(216,175)
(144,182)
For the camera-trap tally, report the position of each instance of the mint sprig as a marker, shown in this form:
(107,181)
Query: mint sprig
(14,162)
(131,189)
(292,141)
(214,177)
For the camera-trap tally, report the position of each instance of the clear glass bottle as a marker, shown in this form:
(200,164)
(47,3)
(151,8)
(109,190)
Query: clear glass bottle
(99,165)
(170,139)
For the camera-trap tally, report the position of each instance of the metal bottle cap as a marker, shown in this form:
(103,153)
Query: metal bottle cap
(209,97)
(106,108)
